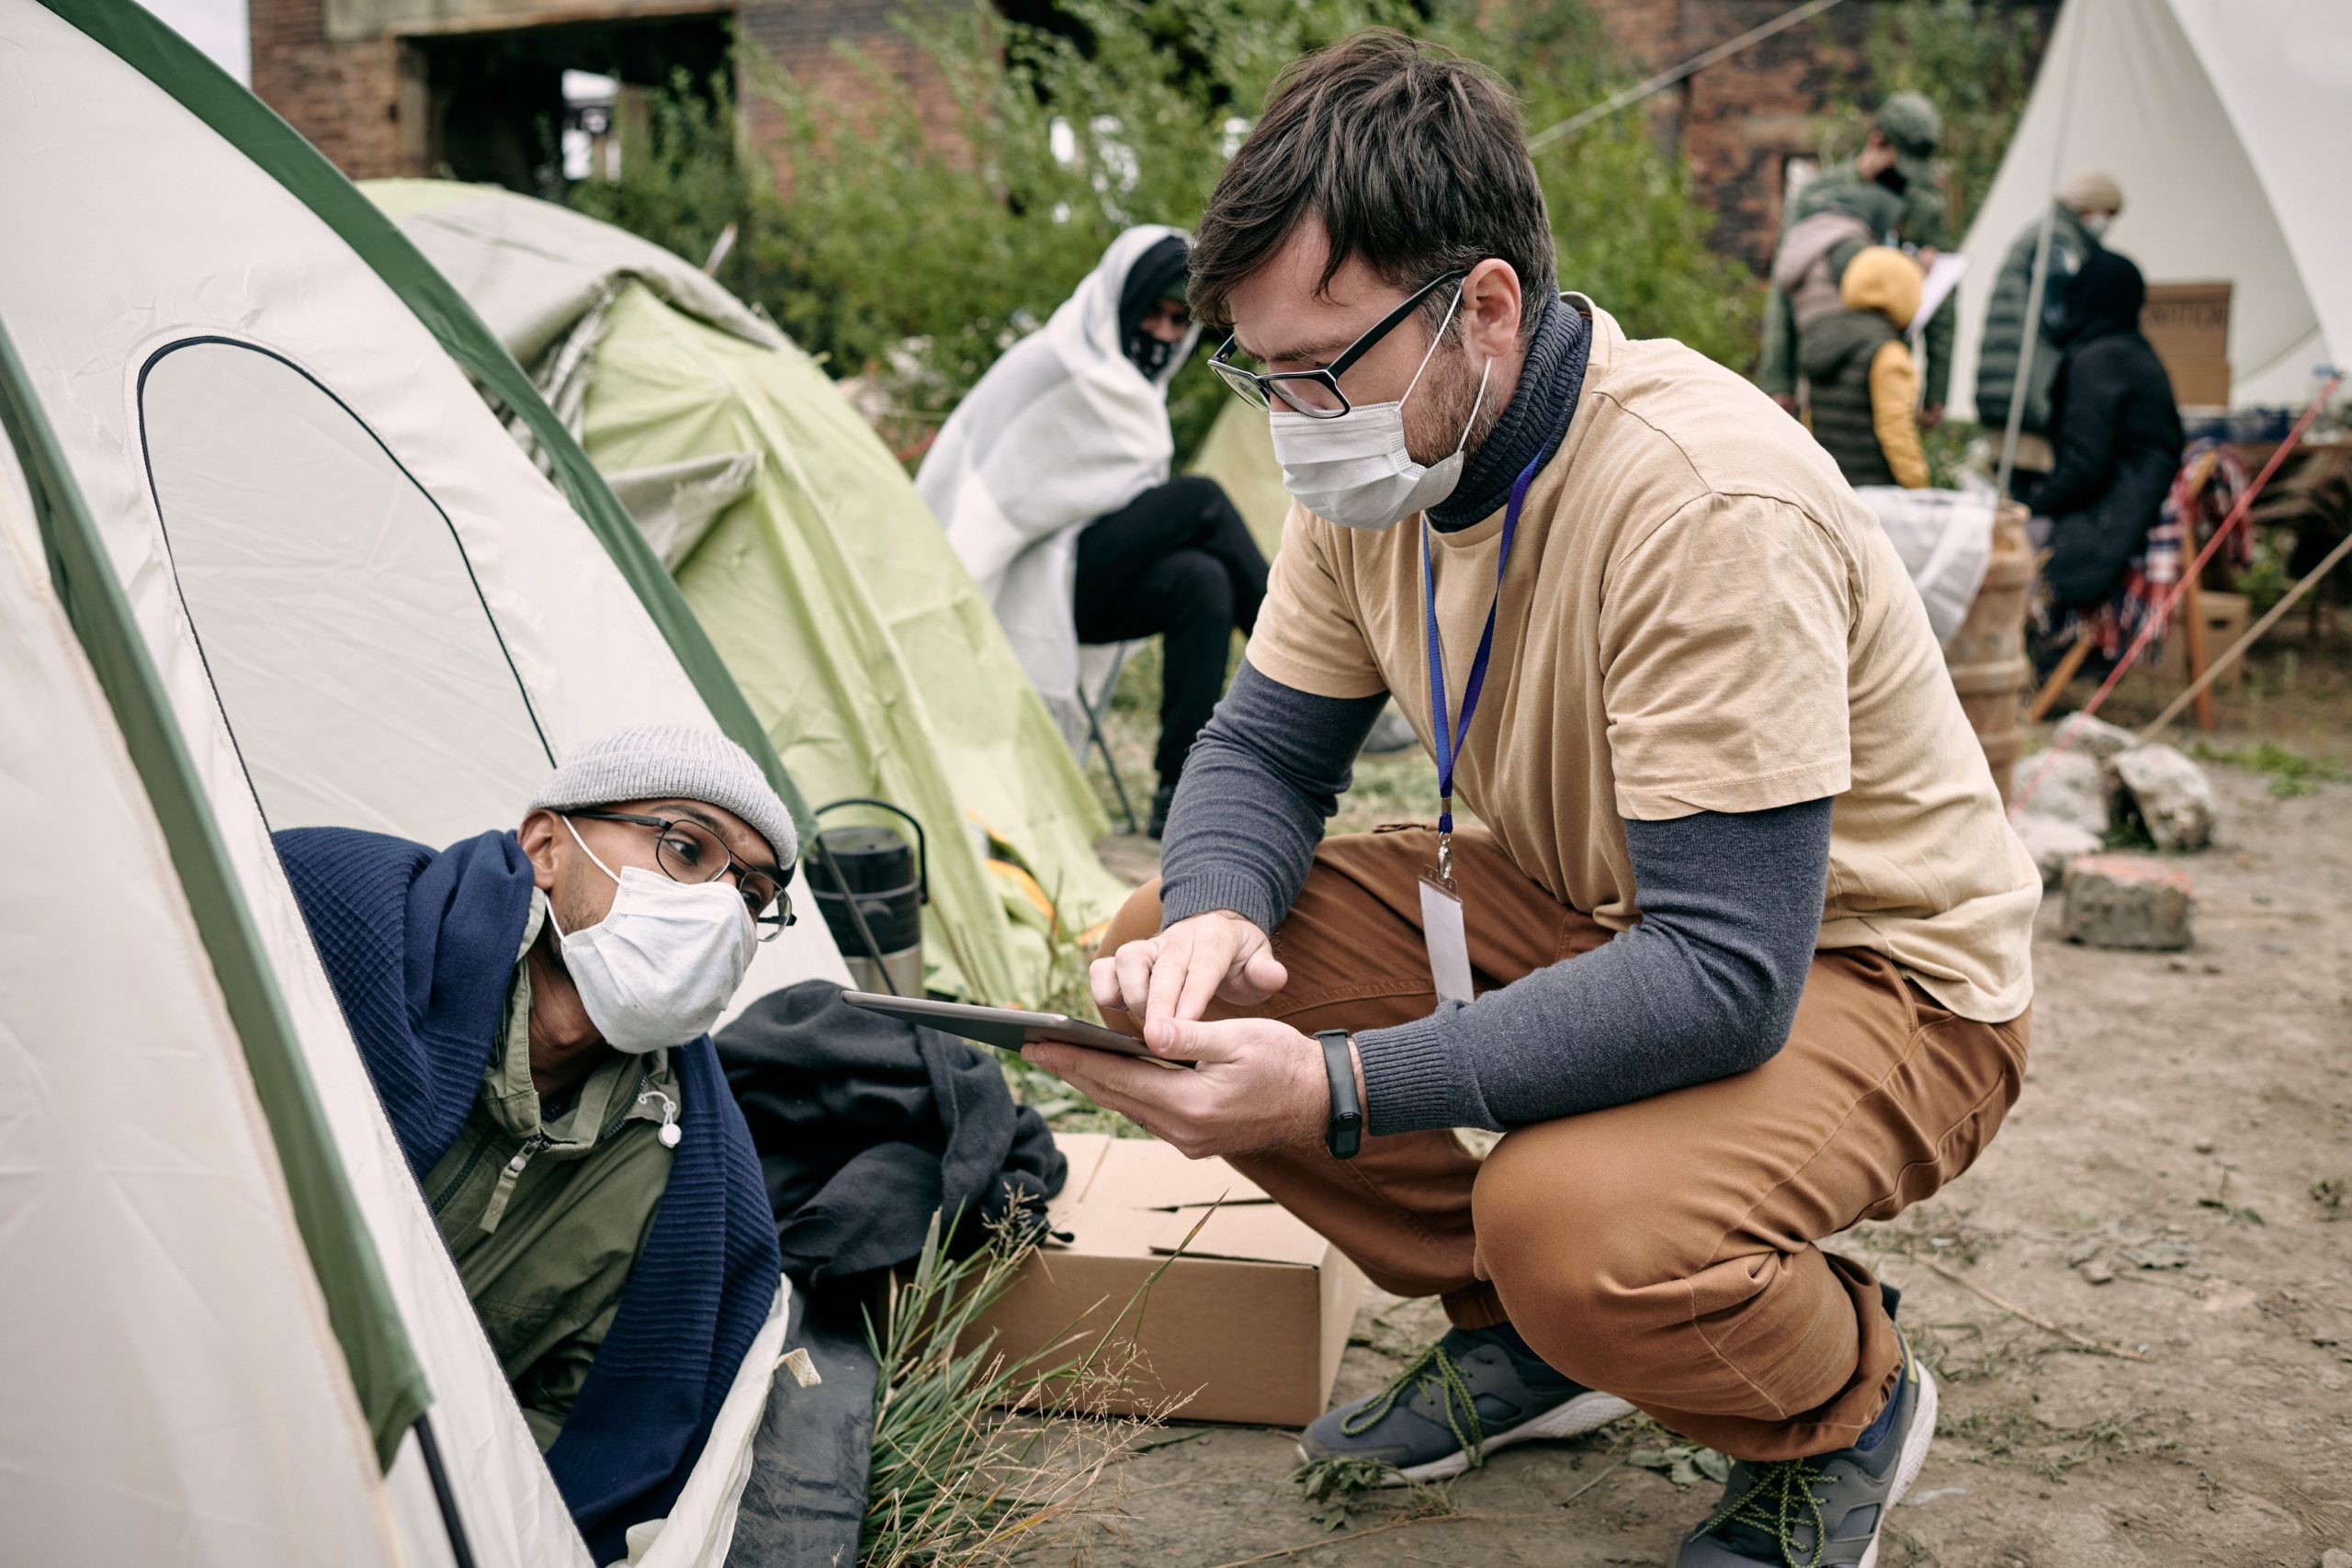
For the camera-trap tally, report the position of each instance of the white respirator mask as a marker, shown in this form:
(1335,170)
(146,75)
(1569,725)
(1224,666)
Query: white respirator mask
(659,968)
(1354,470)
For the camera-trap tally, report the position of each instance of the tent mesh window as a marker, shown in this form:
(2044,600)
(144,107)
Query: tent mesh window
(337,614)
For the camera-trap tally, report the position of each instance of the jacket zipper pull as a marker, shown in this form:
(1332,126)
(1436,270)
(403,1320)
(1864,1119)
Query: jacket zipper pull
(504,1191)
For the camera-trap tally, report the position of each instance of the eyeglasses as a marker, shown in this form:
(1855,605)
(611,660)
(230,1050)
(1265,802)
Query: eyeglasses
(689,852)
(1316,393)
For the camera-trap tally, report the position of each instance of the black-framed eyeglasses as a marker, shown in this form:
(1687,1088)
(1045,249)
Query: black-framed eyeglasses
(687,851)
(1316,393)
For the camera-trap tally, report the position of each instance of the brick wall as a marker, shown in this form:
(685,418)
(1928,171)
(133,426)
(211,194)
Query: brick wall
(828,46)
(1737,122)
(348,98)
(365,103)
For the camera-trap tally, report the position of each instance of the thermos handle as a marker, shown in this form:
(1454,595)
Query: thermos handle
(922,845)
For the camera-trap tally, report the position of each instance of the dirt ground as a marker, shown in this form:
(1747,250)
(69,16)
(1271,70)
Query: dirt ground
(2174,1183)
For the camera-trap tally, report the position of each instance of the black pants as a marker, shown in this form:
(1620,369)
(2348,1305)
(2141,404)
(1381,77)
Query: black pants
(1178,563)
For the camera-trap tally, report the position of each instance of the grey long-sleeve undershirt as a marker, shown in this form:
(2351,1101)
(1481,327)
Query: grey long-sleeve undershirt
(1704,986)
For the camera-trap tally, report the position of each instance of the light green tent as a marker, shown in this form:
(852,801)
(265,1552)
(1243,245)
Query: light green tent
(1238,453)
(819,574)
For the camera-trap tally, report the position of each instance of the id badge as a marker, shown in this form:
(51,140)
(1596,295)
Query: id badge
(1441,933)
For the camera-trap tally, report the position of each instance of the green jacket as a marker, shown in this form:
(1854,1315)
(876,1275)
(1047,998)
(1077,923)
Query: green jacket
(2071,244)
(1839,353)
(1923,224)
(545,1207)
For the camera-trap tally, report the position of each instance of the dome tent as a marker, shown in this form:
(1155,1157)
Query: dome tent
(2221,122)
(271,563)
(822,577)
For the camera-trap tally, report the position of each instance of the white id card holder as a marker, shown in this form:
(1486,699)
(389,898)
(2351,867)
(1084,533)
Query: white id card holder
(1441,933)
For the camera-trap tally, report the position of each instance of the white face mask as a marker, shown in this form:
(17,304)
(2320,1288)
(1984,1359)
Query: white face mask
(657,969)
(2094,223)
(1355,470)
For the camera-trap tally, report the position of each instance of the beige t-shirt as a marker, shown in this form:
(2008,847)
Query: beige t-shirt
(1698,617)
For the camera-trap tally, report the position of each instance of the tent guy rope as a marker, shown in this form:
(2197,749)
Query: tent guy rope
(1665,79)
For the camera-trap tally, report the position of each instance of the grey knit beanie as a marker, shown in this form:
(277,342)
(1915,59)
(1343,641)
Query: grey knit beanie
(671,761)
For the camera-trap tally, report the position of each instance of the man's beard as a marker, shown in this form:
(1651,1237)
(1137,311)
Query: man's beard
(1450,387)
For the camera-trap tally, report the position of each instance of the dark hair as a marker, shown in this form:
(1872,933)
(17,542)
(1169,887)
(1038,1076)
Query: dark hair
(1414,159)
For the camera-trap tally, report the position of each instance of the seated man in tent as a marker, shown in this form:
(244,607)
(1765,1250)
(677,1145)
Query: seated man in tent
(1052,481)
(532,1007)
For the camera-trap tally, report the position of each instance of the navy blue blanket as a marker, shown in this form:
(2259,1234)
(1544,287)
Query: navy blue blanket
(420,948)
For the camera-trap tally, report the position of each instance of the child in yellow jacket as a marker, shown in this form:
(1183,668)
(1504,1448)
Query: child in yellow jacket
(1863,384)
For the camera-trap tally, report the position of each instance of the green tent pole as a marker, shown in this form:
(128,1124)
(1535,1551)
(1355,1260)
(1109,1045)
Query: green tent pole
(385,1371)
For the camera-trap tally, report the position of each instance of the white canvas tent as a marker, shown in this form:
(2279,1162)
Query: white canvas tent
(2222,121)
(266,560)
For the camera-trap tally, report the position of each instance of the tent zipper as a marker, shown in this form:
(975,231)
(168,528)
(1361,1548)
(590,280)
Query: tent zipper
(506,1181)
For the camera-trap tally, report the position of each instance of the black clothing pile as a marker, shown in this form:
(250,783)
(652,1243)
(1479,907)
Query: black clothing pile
(867,1126)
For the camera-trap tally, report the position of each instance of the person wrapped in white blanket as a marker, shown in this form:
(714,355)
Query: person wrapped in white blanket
(1052,479)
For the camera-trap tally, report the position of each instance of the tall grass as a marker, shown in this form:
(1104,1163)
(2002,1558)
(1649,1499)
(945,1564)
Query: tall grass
(978,1455)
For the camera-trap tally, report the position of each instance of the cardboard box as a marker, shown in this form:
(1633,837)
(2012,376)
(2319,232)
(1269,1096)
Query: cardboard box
(1250,1321)
(2188,323)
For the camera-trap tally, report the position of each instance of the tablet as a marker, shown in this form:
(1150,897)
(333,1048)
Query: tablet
(1008,1029)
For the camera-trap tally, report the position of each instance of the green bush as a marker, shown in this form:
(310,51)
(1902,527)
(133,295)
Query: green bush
(929,223)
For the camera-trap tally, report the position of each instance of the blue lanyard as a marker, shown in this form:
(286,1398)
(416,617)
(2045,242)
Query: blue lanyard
(1448,736)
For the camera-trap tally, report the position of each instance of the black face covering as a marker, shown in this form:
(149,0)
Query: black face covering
(1150,354)
(1893,179)
(1147,283)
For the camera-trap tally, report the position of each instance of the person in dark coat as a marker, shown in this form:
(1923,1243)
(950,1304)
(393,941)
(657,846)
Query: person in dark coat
(2114,431)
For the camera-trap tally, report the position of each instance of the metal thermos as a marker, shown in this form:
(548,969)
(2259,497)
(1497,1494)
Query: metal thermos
(871,889)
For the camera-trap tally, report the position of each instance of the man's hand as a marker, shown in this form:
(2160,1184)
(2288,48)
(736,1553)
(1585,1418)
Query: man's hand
(1171,977)
(1260,1085)
(1786,402)
(1931,415)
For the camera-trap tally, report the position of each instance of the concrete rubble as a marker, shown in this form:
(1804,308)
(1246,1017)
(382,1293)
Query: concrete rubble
(2128,901)
(2093,737)
(2097,778)
(2069,787)
(2170,794)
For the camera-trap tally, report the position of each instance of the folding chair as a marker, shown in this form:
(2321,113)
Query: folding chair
(1099,665)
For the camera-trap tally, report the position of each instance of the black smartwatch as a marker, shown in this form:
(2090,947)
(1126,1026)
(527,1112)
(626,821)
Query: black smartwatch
(1344,1134)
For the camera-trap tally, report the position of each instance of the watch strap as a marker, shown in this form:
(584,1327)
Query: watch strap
(1343,1134)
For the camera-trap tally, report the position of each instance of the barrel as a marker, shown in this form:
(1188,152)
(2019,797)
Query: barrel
(1986,656)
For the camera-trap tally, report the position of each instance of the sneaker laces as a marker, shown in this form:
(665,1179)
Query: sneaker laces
(1457,1407)
(1778,1503)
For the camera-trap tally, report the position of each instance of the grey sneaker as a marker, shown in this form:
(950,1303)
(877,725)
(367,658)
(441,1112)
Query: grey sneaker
(1473,1392)
(1822,1512)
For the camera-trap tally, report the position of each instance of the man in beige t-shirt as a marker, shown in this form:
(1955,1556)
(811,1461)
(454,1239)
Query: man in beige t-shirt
(1739,954)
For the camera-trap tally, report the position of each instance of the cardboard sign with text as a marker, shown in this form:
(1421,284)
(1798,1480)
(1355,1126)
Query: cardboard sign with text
(2188,326)
(1249,1322)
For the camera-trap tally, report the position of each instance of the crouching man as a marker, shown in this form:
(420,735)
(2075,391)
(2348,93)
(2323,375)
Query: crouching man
(1740,954)
(533,1008)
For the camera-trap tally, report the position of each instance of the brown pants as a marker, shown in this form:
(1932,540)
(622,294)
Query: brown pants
(1663,1251)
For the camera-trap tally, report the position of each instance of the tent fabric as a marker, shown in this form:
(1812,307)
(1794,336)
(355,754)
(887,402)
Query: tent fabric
(1062,430)
(1238,453)
(852,631)
(231,112)
(2219,122)
(139,227)
(162,1294)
